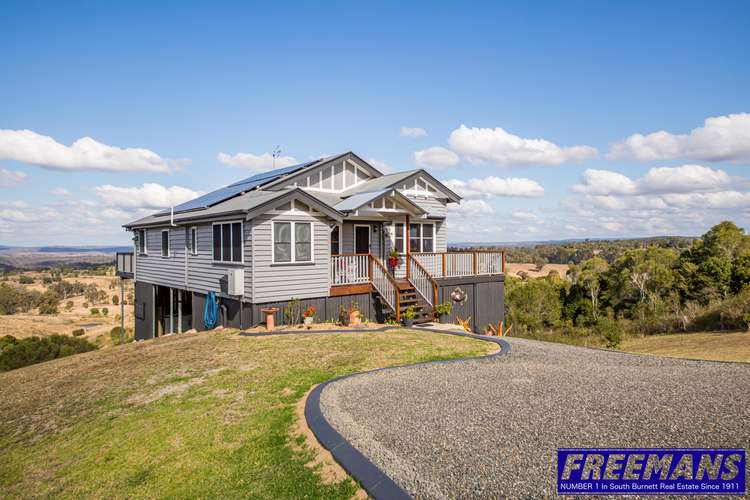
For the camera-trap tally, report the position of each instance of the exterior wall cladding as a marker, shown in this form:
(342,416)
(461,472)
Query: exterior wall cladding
(268,284)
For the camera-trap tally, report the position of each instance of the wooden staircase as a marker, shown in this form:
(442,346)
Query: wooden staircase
(408,297)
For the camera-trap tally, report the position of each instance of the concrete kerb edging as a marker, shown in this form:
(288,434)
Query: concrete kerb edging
(377,484)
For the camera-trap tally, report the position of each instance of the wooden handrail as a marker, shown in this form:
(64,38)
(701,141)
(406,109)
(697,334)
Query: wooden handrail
(350,254)
(397,305)
(429,276)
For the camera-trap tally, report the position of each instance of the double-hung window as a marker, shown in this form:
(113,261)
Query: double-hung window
(142,247)
(292,242)
(336,240)
(193,240)
(422,238)
(165,243)
(227,241)
(398,235)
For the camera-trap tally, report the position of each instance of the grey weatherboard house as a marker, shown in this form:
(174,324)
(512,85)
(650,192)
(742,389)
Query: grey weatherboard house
(320,232)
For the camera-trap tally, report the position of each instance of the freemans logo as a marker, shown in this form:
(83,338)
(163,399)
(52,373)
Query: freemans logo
(656,471)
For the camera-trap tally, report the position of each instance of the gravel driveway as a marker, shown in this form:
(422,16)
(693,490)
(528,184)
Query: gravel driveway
(491,428)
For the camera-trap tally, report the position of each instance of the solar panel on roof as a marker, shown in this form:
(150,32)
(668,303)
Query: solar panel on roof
(238,187)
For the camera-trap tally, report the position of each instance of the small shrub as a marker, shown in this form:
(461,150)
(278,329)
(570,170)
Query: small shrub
(443,308)
(47,280)
(115,300)
(85,305)
(610,330)
(118,336)
(105,311)
(79,332)
(95,311)
(25,279)
(69,305)
(293,312)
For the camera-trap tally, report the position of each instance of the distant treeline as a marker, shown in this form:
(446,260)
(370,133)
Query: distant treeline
(575,252)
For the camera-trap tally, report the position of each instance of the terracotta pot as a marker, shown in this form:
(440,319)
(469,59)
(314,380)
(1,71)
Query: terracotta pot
(354,318)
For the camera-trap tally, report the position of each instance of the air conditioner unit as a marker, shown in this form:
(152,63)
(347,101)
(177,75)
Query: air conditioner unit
(236,281)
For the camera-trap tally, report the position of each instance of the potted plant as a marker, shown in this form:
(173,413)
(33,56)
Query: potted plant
(408,316)
(394,259)
(442,311)
(354,315)
(309,315)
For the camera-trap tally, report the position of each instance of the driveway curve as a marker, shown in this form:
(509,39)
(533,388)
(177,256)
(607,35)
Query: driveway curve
(491,428)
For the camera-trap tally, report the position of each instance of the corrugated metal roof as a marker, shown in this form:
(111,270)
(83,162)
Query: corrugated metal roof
(356,201)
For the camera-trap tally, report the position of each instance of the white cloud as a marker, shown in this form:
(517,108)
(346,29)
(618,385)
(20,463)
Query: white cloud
(26,146)
(721,138)
(11,178)
(500,147)
(59,191)
(604,182)
(495,186)
(523,216)
(471,208)
(150,195)
(437,157)
(257,163)
(413,132)
(683,179)
(381,165)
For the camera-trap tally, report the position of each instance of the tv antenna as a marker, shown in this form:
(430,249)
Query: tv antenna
(276,154)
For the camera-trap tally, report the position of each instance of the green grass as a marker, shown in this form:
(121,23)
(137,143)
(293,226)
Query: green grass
(716,346)
(207,415)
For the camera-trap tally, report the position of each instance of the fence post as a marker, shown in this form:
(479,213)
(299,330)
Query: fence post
(503,262)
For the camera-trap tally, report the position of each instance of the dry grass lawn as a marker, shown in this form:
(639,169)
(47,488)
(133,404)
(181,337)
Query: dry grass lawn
(207,415)
(716,346)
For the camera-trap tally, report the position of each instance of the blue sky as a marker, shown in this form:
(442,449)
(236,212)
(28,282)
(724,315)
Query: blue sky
(185,82)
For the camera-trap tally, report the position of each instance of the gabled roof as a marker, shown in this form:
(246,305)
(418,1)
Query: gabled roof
(392,180)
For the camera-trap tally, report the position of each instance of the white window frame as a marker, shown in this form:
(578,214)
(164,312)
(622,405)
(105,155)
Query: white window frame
(421,236)
(401,250)
(369,237)
(293,243)
(242,242)
(341,238)
(194,242)
(145,242)
(169,243)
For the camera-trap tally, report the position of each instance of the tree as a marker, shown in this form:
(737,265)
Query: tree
(533,304)
(588,276)
(641,276)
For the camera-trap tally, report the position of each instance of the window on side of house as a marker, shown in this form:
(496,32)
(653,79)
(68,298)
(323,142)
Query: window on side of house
(335,240)
(165,243)
(292,242)
(428,238)
(193,240)
(227,242)
(415,238)
(398,237)
(421,238)
(142,247)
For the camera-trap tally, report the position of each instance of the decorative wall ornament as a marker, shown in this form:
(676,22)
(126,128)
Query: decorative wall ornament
(458,296)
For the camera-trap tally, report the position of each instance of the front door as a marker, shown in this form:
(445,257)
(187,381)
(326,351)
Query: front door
(362,239)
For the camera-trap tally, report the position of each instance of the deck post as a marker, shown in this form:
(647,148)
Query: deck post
(398,305)
(171,312)
(122,310)
(179,311)
(444,258)
(408,247)
(474,262)
(369,266)
(503,262)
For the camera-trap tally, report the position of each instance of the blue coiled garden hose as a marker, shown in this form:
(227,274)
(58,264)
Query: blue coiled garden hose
(210,313)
